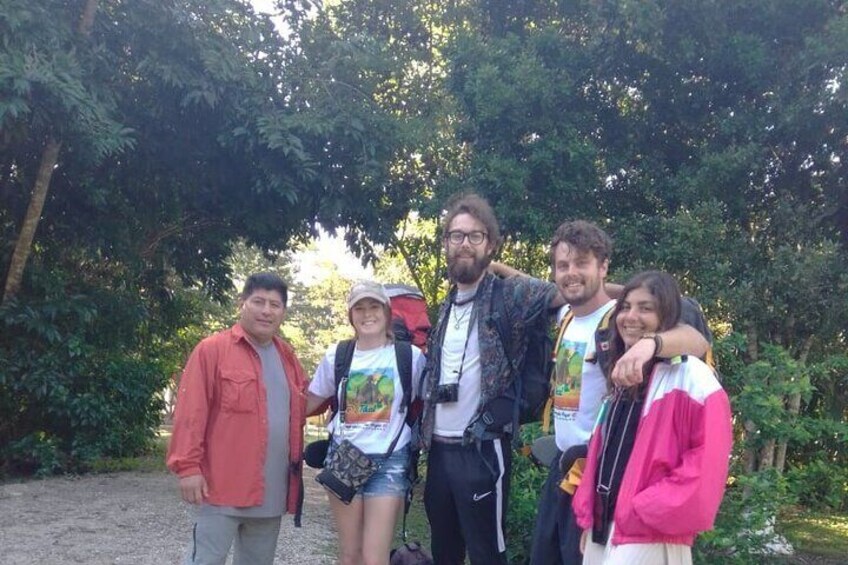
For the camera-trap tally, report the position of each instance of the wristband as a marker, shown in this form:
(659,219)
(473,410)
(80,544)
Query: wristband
(658,342)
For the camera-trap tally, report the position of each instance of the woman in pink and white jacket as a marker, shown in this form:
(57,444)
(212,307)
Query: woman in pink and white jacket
(658,458)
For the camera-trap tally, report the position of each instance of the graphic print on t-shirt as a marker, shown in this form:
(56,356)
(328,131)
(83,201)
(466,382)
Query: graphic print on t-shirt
(370,394)
(569,371)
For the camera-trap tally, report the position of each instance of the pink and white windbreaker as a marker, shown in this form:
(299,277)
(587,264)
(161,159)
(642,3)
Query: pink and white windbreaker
(675,478)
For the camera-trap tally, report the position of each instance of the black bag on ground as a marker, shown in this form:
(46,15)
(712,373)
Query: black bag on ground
(410,554)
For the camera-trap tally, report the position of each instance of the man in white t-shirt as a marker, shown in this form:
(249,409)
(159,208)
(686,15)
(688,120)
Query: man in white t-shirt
(468,370)
(580,254)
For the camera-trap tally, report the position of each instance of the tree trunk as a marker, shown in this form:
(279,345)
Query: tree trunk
(86,22)
(794,408)
(767,456)
(49,158)
(750,455)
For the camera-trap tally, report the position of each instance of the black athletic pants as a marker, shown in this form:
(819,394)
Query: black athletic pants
(556,537)
(465,498)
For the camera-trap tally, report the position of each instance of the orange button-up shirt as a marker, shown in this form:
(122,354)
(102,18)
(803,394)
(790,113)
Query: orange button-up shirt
(221,420)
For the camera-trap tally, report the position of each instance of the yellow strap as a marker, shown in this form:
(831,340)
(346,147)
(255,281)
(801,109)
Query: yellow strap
(606,319)
(546,412)
(709,359)
(572,478)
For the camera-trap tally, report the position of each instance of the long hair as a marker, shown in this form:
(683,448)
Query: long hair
(665,291)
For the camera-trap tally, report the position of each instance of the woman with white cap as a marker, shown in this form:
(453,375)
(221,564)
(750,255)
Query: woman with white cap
(372,417)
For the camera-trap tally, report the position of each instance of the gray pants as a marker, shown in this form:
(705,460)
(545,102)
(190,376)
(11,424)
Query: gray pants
(213,534)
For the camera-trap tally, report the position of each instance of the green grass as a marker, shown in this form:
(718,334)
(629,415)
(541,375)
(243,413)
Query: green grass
(816,533)
(417,527)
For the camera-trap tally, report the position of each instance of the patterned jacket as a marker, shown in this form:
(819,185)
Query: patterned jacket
(525,299)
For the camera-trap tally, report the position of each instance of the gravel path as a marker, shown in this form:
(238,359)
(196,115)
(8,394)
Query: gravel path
(130,518)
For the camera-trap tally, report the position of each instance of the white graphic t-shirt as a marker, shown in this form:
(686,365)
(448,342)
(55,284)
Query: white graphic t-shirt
(374,396)
(579,386)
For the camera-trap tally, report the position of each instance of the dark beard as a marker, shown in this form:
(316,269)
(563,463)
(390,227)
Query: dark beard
(463,273)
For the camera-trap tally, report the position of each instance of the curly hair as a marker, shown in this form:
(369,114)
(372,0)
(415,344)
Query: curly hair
(583,237)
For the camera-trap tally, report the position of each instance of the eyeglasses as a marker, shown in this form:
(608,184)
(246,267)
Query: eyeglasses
(474,237)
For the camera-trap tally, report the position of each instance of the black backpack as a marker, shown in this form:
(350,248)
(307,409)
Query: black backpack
(525,400)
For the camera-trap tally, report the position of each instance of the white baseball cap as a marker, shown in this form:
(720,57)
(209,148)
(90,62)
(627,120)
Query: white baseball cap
(367,289)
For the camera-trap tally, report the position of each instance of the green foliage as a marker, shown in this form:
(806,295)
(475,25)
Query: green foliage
(318,317)
(525,487)
(416,257)
(152,459)
(820,483)
(759,390)
(71,389)
(745,523)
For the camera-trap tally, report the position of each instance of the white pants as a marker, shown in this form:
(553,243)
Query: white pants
(636,553)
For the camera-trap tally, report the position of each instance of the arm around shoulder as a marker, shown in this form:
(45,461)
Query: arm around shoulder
(505,271)
(682,340)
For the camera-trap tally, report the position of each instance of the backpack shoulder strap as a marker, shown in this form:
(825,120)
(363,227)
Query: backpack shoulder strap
(500,320)
(403,356)
(344,357)
(605,321)
(563,325)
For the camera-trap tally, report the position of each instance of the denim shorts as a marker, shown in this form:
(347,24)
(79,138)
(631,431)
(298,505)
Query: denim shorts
(391,479)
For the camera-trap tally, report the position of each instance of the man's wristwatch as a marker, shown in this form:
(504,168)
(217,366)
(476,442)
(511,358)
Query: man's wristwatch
(658,343)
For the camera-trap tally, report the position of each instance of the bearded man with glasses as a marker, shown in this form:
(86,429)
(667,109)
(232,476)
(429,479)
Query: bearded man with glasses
(467,367)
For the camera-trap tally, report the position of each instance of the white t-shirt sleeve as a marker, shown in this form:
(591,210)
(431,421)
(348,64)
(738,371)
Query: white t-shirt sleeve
(323,382)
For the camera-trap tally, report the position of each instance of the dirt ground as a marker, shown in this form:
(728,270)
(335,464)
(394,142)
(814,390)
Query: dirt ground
(138,519)
(130,518)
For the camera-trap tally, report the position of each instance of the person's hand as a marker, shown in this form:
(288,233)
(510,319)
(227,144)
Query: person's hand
(193,489)
(584,539)
(628,370)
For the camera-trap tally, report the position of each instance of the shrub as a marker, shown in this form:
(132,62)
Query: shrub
(745,524)
(527,481)
(70,390)
(819,484)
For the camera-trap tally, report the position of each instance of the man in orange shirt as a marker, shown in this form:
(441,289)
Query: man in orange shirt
(238,431)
